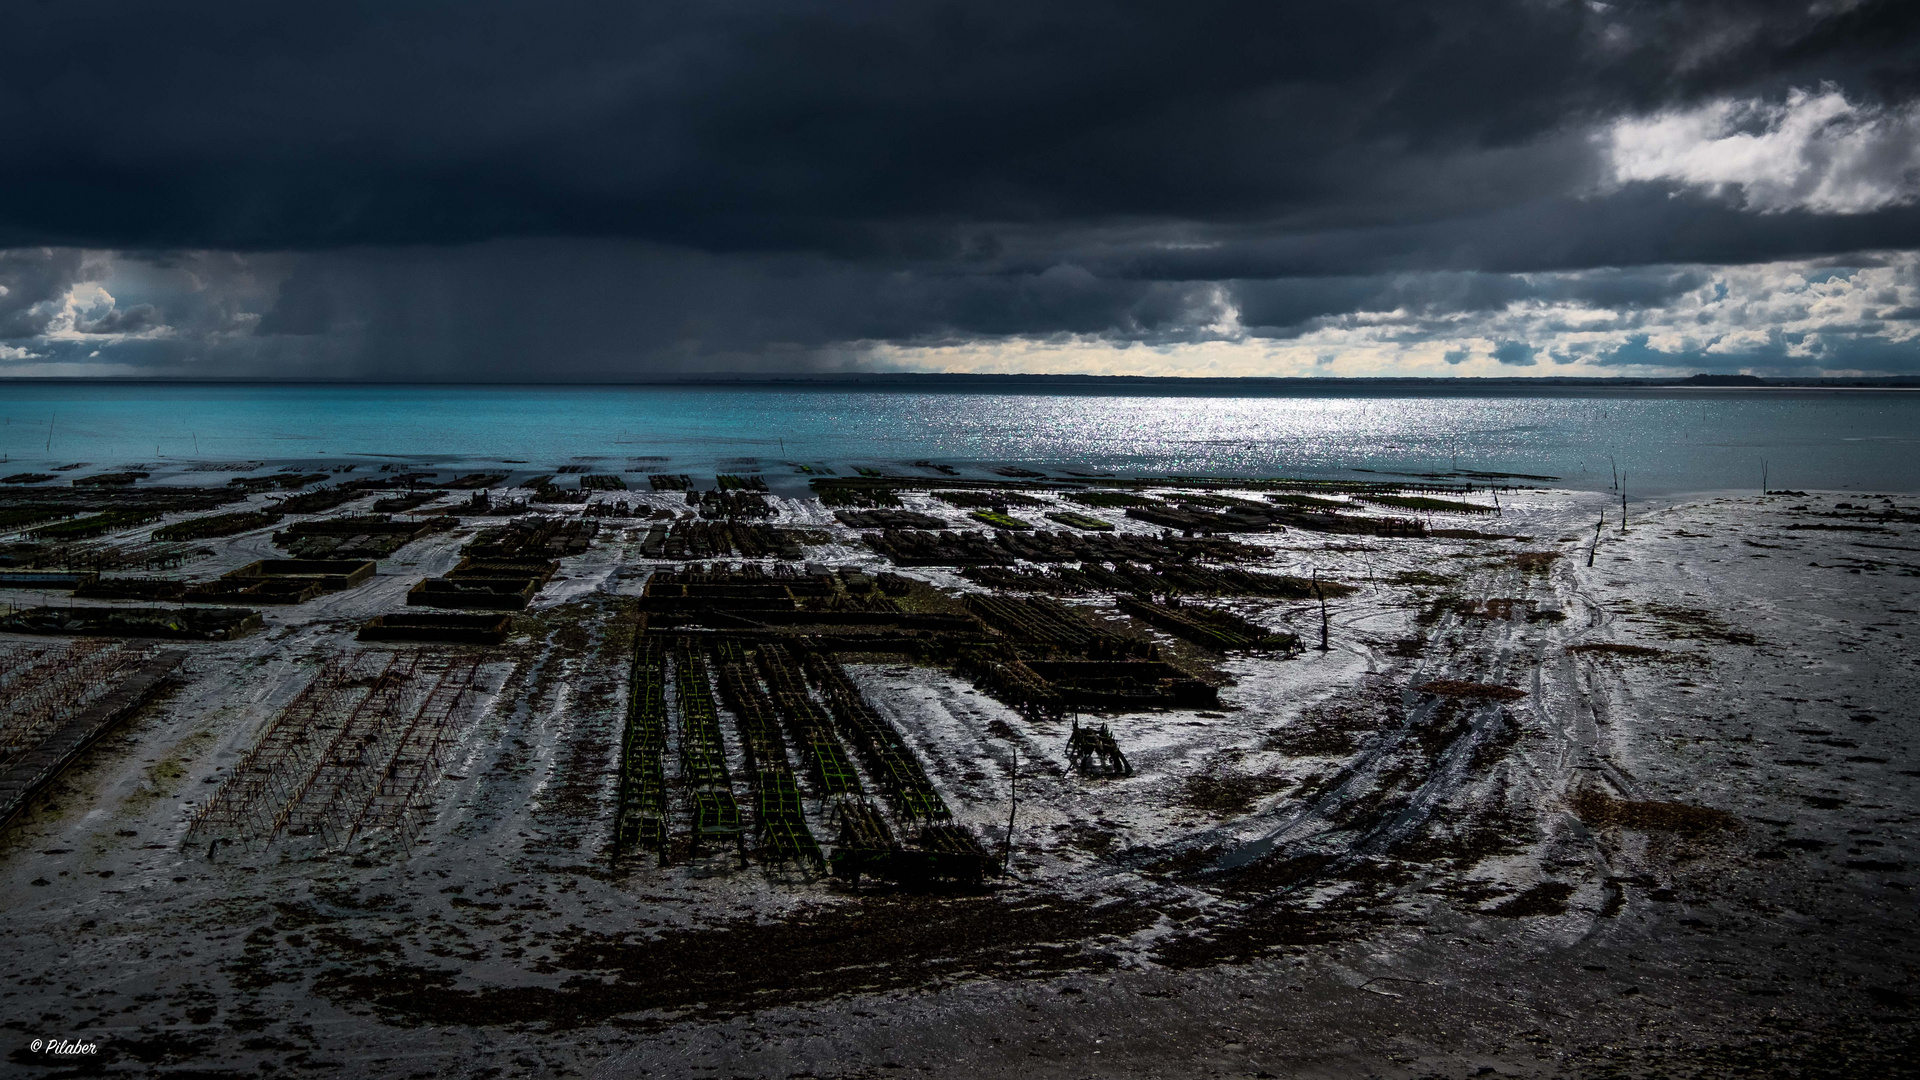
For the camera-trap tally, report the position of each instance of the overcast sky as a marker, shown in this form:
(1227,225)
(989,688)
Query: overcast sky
(479,189)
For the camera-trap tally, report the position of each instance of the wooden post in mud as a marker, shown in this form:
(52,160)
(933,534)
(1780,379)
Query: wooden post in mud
(1597,526)
(1013,807)
(1763,476)
(1623,504)
(1322,595)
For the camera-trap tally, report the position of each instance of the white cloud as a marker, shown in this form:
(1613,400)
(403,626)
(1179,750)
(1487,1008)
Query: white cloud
(1817,151)
(17,352)
(1786,318)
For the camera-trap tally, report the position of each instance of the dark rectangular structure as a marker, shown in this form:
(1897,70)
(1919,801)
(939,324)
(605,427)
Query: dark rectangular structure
(487,594)
(46,579)
(438,626)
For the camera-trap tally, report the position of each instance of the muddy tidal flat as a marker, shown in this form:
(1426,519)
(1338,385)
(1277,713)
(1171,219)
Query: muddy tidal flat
(1047,774)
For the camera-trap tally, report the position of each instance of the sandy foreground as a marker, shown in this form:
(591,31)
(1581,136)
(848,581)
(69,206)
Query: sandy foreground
(1683,844)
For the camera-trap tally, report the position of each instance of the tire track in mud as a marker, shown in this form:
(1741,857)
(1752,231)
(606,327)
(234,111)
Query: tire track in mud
(1347,785)
(1320,836)
(1591,718)
(509,761)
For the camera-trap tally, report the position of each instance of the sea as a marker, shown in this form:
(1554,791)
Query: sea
(1665,441)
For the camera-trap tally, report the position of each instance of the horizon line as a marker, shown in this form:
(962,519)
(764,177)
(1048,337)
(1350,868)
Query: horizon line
(1703,380)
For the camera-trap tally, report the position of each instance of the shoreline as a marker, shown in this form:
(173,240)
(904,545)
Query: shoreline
(189,471)
(1227,385)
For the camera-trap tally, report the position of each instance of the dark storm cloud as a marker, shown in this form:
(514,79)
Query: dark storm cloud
(1644,224)
(859,128)
(1514,353)
(486,187)
(594,307)
(123,321)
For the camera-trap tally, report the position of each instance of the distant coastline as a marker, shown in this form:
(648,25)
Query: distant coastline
(938,380)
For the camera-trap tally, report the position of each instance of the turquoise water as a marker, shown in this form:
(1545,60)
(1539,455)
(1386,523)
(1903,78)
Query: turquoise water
(1668,441)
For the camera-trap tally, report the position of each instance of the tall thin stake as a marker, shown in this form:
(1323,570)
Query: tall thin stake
(1013,807)
(1322,595)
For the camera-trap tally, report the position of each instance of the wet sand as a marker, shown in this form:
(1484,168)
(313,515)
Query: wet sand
(1681,845)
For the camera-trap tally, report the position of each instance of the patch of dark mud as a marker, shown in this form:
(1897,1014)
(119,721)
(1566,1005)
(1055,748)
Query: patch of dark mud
(1259,929)
(1460,688)
(1446,722)
(1182,865)
(1092,841)
(1465,844)
(1274,873)
(874,945)
(1411,648)
(1328,728)
(1546,898)
(1387,796)
(1378,870)
(1887,997)
(1241,940)
(1625,652)
(1223,793)
(1439,609)
(1600,810)
(1470,891)
(1496,747)
(1679,623)
(1297,740)
(1835,1047)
